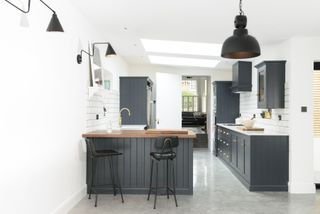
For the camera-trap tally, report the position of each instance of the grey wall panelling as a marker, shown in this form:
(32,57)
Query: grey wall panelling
(134,165)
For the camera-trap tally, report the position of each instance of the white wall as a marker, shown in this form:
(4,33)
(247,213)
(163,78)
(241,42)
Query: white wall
(316,154)
(303,52)
(43,109)
(117,66)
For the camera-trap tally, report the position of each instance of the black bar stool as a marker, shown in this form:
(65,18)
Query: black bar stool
(165,144)
(95,156)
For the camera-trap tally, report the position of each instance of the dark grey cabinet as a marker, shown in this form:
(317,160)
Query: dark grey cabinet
(241,76)
(225,105)
(260,162)
(271,84)
(224,146)
(136,95)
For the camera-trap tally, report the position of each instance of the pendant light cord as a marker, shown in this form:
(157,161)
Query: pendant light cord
(240,7)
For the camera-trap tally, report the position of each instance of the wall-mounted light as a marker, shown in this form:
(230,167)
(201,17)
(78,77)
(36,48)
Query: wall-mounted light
(109,52)
(54,25)
(23,11)
(240,45)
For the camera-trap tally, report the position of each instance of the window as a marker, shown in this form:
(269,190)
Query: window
(316,104)
(189,95)
(189,88)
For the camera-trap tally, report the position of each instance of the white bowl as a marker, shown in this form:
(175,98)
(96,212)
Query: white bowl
(248,123)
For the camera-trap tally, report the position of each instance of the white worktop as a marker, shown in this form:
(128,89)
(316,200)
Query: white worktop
(252,133)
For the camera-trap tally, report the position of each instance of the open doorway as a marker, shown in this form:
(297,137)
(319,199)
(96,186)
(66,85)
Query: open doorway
(194,107)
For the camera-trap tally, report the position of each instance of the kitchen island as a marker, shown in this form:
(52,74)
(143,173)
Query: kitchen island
(135,162)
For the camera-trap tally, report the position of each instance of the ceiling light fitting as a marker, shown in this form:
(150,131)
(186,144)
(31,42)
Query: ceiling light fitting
(54,25)
(110,51)
(240,45)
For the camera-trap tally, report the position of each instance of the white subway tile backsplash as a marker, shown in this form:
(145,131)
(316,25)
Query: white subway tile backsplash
(95,103)
(248,107)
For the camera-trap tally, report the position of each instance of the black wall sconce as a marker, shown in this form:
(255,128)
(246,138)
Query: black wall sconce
(54,25)
(23,11)
(109,52)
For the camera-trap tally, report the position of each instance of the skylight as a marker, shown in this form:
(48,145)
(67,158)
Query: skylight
(182,61)
(178,47)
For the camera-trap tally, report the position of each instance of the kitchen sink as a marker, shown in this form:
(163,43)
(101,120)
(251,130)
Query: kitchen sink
(132,127)
(232,124)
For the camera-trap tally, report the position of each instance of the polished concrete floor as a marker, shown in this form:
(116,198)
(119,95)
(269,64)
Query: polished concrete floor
(216,190)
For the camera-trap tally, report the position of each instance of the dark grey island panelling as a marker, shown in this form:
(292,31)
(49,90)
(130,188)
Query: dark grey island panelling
(134,165)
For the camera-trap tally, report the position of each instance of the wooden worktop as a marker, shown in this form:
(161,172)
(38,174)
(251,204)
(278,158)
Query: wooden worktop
(135,134)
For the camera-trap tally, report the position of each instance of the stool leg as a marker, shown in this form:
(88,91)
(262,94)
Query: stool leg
(167,188)
(93,172)
(112,174)
(96,201)
(150,179)
(174,184)
(156,193)
(119,183)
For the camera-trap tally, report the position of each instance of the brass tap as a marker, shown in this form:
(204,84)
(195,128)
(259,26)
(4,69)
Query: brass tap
(120,117)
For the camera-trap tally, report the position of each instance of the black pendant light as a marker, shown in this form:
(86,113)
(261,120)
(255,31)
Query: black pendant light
(54,25)
(240,45)
(110,51)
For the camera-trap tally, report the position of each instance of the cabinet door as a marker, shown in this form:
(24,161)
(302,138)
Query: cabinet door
(262,96)
(234,150)
(247,156)
(227,103)
(240,153)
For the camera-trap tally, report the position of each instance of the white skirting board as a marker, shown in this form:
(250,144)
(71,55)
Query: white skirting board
(301,188)
(70,202)
(317,177)
(316,163)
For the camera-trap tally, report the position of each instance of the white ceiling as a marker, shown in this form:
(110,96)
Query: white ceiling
(125,22)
